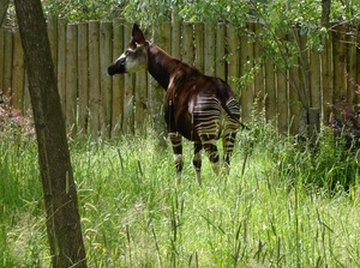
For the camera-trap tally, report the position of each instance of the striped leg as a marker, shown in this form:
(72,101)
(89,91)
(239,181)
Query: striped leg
(176,140)
(197,161)
(207,124)
(209,144)
(228,147)
(230,129)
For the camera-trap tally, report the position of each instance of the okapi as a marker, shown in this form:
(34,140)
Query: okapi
(198,107)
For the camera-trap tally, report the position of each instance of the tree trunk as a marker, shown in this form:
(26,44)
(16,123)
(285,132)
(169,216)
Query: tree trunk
(3,9)
(63,219)
(325,14)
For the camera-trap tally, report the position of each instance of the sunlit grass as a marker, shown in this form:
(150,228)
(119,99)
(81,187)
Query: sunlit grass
(271,212)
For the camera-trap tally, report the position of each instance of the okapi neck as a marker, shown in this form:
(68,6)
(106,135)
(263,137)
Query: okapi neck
(160,65)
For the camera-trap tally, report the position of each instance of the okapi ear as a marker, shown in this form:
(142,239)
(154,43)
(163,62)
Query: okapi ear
(137,34)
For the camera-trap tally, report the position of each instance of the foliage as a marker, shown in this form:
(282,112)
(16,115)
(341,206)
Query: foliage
(272,210)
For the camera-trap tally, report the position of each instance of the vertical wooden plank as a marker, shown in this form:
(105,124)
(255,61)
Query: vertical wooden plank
(199,46)
(118,81)
(176,34)
(156,95)
(210,49)
(8,58)
(83,73)
(315,91)
(282,101)
(94,79)
(246,64)
(2,56)
(339,58)
(61,66)
(327,79)
(52,34)
(351,68)
(259,81)
(71,75)
(270,101)
(233,62)
(357,98)
(106,83)
(220,50)
(295,90)
(18,71)
(141,101)
(128,113)
(187,48)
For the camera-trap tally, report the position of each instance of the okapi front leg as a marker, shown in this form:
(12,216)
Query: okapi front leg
(176,141)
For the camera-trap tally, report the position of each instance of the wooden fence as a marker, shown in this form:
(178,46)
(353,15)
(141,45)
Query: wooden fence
(96,103)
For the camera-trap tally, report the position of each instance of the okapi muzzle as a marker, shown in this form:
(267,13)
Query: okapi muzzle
(132,60)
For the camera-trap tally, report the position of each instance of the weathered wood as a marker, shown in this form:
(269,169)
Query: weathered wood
(210,49)
(176,34)
(220,50)
(94,78)
(118,81)
(8,58)
(61,64)
(327,79)
(106,50)
(351,68)
(141,101)
(83,76)
(233,63)
(270,89)
(282,100)
(199,46)
(339,62)
(71,75)
(246,68)
(128,113)
(52,29)
(18,71)
(259,81)
(187,48)
(315,93)
(2,50)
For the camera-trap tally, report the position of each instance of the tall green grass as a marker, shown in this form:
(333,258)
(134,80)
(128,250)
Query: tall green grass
(288,205)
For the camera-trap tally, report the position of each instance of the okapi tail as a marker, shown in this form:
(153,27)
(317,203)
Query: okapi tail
(232,108)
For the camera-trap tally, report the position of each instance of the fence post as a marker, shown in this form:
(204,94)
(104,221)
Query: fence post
(8,61)
(176,34)
(246,67)
(339,57)
(210,49)
(61,65)
(128,112)
(199,46)
(94,78)
(83,69)
(18,71)
(233,58)
(187,48)
(52,27)
(118,80)
(2,55)
(71,75)
(327,79)
(220,50)
(105,53)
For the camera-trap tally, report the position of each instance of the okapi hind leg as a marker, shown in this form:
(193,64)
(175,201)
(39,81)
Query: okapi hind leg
(228,147)
(209,144)
(176,141)
(197,161)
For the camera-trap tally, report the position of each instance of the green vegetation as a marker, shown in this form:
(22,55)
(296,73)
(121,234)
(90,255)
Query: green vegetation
(289,206)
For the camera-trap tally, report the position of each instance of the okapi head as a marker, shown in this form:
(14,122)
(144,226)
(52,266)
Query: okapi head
(134,57)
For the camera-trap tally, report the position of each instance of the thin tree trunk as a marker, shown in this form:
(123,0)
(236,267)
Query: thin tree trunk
(3,8)
(63,219)
(325,14)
